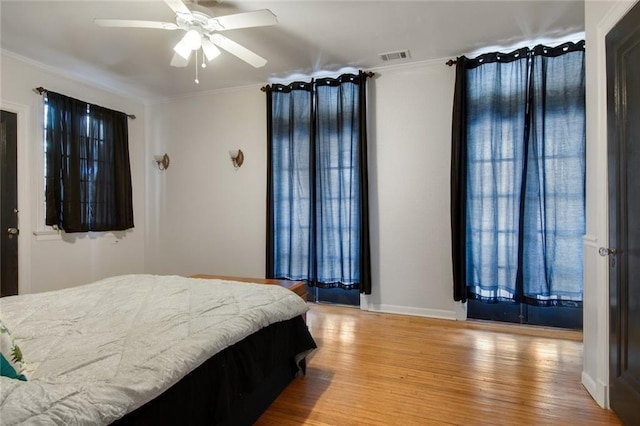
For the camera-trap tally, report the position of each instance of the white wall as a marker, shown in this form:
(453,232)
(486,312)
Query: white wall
(205,217)
(49,262)
(410,155)
(600,17)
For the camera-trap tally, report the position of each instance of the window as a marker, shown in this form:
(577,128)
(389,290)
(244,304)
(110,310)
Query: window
(87,170)
(519,145)
(317,214)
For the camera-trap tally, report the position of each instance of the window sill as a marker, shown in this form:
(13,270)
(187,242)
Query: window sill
(47,235)
(56,235)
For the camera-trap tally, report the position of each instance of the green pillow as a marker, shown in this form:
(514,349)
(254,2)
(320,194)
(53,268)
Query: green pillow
(11,362)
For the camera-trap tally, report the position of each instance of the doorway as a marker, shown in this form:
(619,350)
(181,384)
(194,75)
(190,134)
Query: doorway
(623,157)
(8,204)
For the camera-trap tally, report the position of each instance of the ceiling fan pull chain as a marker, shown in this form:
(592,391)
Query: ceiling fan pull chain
(196,62)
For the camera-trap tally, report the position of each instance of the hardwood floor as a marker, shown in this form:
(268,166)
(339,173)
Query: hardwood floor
(384,369)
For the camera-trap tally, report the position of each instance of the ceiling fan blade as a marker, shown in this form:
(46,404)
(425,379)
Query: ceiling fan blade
(238,50)
(257,18)
(126,23)
(179,61)
(178,6)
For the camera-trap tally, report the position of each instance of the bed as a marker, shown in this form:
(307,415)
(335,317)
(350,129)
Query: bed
(145,349)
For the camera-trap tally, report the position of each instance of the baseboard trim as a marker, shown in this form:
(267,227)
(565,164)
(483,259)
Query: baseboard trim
(408,310)
(597,389)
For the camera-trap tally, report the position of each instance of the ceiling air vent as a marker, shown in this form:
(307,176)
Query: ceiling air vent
(392,56)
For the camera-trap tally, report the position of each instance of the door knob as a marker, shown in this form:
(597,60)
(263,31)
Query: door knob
(606,251)
(12,231)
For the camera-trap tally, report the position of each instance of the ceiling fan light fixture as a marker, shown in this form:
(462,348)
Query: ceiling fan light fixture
(210,50)
(193,39)
(183,49)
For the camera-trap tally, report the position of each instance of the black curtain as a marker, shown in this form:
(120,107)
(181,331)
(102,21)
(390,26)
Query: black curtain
(459,182)
(269,248)
(88,173)
(365,243)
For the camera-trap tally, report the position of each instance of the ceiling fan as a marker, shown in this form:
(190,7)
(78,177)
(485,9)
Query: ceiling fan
(202,31)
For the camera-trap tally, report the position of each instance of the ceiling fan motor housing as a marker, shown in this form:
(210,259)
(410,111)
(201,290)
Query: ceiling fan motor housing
(204,22)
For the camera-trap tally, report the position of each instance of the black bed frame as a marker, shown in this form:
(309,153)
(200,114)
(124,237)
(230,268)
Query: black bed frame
(235,386)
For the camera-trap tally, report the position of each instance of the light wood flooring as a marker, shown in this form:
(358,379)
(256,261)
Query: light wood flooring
(384,369)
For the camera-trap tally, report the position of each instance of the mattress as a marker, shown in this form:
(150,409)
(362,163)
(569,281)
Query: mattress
(97,352)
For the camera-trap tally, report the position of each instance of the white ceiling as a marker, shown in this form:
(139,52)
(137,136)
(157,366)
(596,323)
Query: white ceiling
(311,37)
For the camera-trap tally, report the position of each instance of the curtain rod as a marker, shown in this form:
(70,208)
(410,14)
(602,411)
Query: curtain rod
(451,62)
(40,90)
(369,74)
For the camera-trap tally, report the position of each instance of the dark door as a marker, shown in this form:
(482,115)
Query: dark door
(623,87)
(8,205)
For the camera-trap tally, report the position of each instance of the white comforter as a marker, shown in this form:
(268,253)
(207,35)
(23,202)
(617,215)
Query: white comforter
(99,351)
